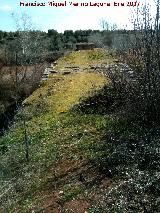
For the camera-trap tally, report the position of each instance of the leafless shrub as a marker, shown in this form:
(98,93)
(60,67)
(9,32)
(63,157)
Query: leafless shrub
(140,90)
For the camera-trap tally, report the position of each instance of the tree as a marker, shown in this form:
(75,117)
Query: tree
(55,41)
(105,25)
(69,39)
(140,91)
(97,39)
(29,40)
(107,34)
(27,49)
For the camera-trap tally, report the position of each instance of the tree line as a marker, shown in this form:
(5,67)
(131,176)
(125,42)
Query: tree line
(49,42)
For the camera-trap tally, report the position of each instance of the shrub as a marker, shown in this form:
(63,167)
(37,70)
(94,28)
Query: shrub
(137,83)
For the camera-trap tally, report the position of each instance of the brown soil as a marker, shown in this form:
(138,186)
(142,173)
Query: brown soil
(76,206)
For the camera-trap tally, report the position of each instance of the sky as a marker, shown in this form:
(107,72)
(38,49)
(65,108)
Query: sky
(69,16)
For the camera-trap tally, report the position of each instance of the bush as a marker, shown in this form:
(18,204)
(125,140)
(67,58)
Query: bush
(137,83)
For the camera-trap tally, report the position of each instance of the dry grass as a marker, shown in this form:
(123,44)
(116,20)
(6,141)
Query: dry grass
(84,58)
(68,90)
(59,137)
(64,91)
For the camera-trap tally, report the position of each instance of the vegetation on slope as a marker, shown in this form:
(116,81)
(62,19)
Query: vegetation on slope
(81,158)
(84,59)
(59,141)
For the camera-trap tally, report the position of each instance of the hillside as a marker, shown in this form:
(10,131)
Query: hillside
(59,174)
(73,147)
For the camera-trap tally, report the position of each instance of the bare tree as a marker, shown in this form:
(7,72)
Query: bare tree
(106,25)
(28,50)
(141,93)
(104,39)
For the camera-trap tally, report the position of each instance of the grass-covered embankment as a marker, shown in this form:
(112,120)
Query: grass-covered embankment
(86,154)
(60,139)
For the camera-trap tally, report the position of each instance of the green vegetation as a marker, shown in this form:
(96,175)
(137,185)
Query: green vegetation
(88,139)
(83,153)
(58,136)
(20,71)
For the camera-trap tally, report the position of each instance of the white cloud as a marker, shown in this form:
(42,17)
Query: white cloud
(6,8)
(89,18)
